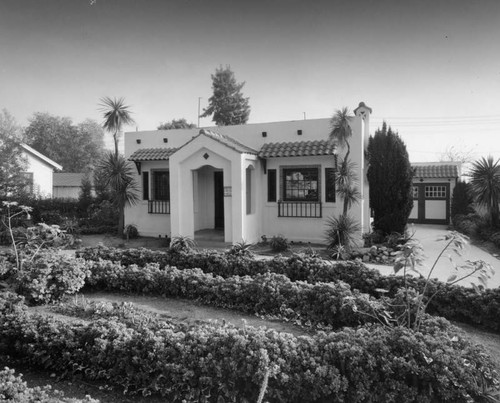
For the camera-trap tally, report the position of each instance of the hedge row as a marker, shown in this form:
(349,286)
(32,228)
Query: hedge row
(14,390)
(328,304)
(223,364)
(452,302)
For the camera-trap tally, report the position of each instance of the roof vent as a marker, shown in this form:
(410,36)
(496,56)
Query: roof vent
(138,141)
(165,140)
(299,132)
(264,134)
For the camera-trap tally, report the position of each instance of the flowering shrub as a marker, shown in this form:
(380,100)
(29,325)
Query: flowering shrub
(14,389)
(210,363)
(50,276)
(453,302)
(332,304)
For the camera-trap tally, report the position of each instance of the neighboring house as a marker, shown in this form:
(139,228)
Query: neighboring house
(39,171)
(249,180)
(68,185)
(433,184)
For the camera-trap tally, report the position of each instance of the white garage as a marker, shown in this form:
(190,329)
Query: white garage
(433,184)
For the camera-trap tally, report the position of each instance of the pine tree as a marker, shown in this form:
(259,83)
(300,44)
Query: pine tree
(227,104)
(390,177)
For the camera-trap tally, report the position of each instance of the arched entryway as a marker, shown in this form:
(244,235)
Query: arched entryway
(208,200)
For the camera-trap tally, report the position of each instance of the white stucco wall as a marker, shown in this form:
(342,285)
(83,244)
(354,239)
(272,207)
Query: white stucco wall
(192,202)
(42,175)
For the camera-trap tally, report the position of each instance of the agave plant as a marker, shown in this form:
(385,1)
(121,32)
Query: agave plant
(182,243)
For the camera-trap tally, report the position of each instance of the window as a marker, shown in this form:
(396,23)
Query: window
(161,185)
(415,192)
(249,180)
(435,192)
(271,185)
(145,186)
(330,185)
(300,184)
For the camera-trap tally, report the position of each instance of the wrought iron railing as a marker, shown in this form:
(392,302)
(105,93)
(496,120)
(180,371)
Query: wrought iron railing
(306,209)
(159,206)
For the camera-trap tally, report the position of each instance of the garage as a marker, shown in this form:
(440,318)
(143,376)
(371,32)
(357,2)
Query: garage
(433,185)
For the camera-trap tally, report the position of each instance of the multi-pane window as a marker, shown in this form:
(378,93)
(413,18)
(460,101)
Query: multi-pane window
(161,185)
(300,184)
(435,192)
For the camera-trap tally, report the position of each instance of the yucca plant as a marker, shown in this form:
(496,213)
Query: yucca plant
(341,234)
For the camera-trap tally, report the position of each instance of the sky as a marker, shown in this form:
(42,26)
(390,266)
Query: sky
(429,68)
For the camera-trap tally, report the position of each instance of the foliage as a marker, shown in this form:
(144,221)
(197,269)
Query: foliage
(485,185)
(390,178)
(410,256)
(241,249)
(279,243)
(12,162)
(120,178)
(264,294)
(85,198)
(116,115)
(76,148)
(462,200)
(452,301)
(211,362)
(50,276)
(182,244)
(176,124)
(341,234)
(227,104)
(131,231)
(13,389)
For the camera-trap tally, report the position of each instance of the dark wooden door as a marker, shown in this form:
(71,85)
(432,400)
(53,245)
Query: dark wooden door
(219,199)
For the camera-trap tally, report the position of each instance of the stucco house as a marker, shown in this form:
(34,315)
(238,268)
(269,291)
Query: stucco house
(249,180)
(433,184)
(39,171)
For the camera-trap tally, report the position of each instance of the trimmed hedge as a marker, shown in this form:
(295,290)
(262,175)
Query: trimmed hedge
(328,304)
(453,302)
(212,363)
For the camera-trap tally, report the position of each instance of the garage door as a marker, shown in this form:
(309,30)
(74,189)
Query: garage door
(431,203)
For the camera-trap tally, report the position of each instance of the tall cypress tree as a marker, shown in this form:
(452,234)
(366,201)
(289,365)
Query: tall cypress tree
(227,104)
(390,177)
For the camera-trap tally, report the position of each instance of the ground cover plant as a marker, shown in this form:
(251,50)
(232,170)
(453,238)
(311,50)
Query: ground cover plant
(225,364)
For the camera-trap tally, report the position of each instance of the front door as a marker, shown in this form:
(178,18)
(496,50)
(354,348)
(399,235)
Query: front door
(219,199)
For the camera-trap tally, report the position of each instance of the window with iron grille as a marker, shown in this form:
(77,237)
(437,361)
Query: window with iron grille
(330,185)
(300,184)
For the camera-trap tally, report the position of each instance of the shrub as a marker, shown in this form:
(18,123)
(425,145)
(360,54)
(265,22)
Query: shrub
(182,244)
(461,200)
(279,243)
(15,390)
(131,231)
(221,363)
(50,276)
(341,233)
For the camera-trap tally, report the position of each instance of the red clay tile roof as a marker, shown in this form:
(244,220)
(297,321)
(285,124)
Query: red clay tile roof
(436,171)
(152,154)
(228,141)
(297,149)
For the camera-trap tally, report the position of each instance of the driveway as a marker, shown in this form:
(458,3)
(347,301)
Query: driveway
(428,235)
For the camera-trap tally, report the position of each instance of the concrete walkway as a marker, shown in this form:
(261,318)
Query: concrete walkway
(427,235)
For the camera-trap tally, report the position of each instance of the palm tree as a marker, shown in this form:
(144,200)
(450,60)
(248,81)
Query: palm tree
(116,114)
(485,184)
(346,178)
(119,177)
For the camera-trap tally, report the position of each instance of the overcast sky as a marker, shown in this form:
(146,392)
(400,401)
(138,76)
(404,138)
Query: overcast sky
(430,68)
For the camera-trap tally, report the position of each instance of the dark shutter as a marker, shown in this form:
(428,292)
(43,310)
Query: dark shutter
(145,186)
(330,185)
(271,185)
